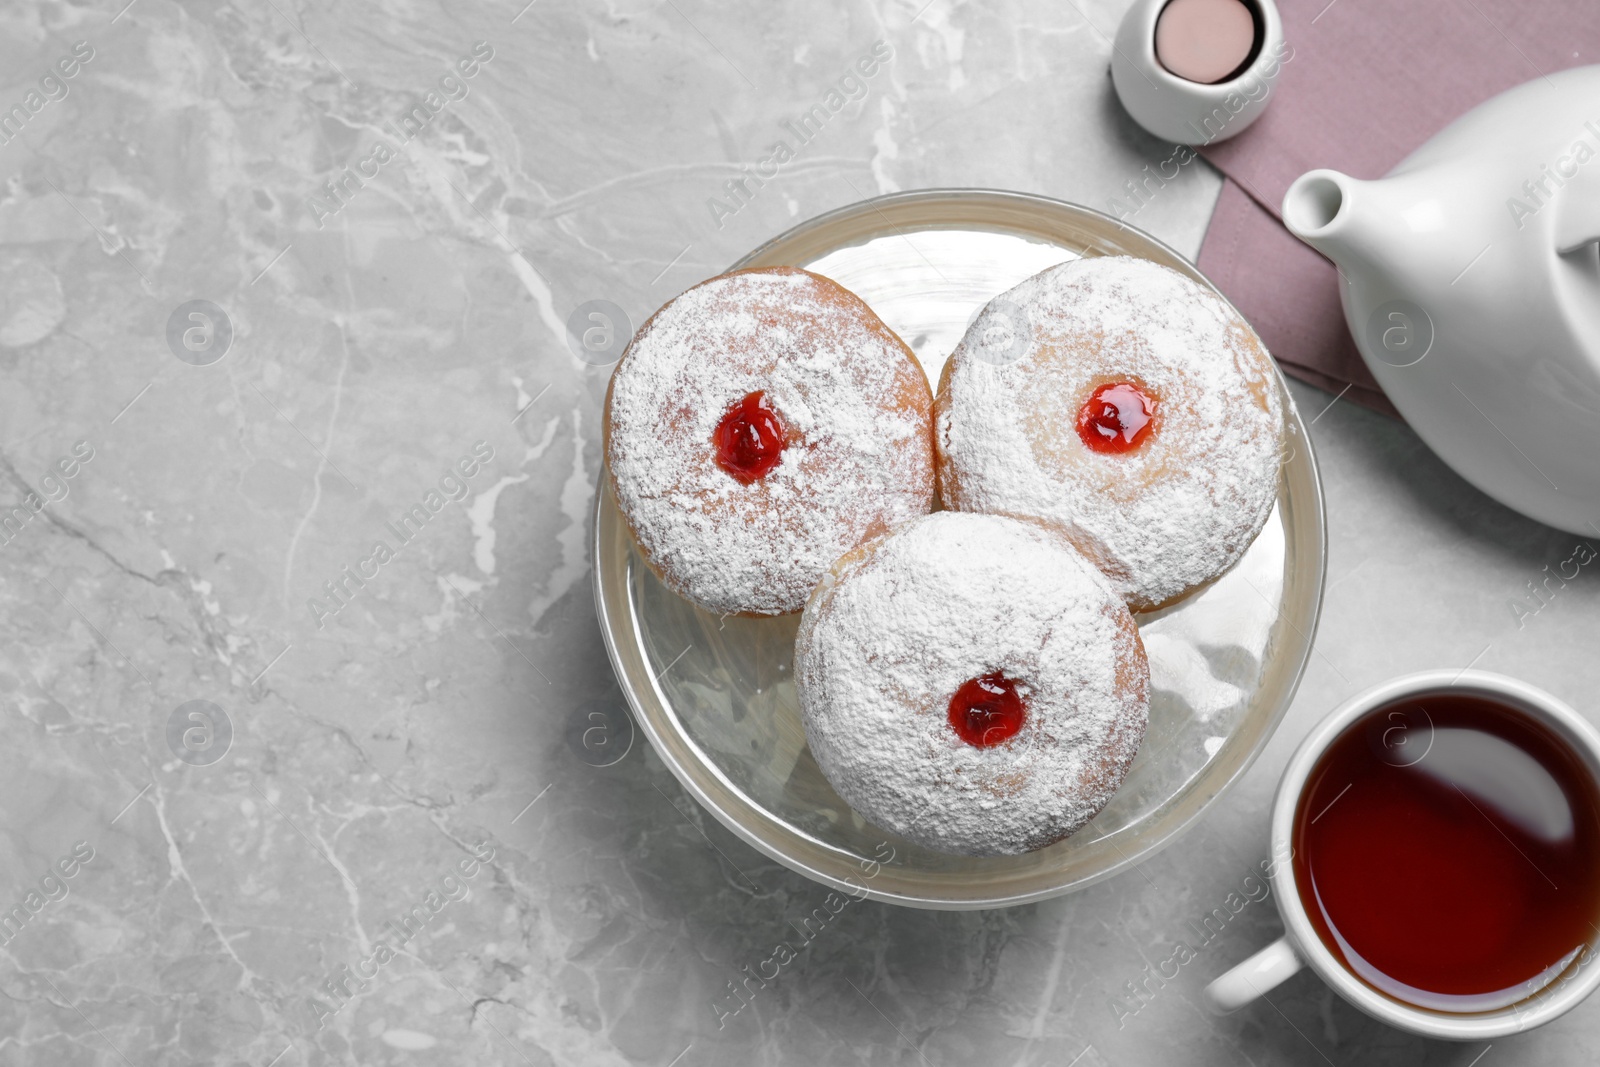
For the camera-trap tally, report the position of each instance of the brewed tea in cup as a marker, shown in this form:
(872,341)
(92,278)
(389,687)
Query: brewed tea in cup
(1443,831)
(1447,850)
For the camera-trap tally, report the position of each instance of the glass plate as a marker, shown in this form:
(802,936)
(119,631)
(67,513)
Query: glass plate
(716,696)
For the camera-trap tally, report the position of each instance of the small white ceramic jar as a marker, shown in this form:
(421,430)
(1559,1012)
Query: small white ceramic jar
(1189,112)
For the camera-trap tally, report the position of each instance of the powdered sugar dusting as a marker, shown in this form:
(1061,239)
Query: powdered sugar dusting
(859,456)
(892,633)
(1169,515)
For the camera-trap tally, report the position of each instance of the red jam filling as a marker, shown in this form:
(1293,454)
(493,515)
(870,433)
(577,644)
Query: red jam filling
(1118,417)
(987,710)
(749,439)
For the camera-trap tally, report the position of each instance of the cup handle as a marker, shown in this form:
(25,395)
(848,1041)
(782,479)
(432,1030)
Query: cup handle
(1248,980)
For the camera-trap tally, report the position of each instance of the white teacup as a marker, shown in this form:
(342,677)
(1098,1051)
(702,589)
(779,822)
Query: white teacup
(1301,945)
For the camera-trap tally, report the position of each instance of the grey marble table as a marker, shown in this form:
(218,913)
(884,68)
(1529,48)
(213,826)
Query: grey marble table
(321,804)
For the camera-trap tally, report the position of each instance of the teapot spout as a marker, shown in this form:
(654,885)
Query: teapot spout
(1334,213)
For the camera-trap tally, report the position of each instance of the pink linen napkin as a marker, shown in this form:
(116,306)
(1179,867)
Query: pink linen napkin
(1368,81)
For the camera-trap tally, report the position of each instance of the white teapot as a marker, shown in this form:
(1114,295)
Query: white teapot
(1470,279)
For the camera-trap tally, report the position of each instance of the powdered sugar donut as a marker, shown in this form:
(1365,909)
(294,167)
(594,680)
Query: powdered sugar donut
(1132,406)
(760,425)
(972,683)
